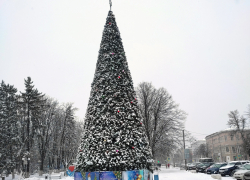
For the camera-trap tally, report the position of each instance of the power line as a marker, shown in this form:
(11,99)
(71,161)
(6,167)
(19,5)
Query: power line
(198,133)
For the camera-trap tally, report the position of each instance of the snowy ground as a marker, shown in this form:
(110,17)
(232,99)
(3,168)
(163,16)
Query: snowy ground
(164,174)
(177,174)
(36,177)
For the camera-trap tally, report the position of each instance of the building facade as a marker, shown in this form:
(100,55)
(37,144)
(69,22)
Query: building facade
(224,147)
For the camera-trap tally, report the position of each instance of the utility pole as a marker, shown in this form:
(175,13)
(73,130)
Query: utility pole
(184,150)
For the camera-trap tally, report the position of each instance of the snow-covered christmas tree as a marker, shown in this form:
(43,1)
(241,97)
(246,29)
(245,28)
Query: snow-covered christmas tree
(114,138)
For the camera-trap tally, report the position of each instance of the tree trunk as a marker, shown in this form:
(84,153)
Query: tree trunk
(42,162)
(28,142)
(41,167)
(13,174)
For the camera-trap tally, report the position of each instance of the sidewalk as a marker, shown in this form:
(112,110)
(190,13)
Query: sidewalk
(177,174)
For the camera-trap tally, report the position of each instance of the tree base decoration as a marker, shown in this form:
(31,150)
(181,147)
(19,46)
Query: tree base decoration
(115,175)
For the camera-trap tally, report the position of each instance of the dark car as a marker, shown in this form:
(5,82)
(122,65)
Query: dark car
(192,166)
(203,167)
(244,162)
(237,168)
(247,175)
(198,166)
(229,168)
(214,169)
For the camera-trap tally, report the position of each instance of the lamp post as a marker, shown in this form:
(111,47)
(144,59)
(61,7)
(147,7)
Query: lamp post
(184,150)
(56,162)
(39,165)
(26,161)
(28,158)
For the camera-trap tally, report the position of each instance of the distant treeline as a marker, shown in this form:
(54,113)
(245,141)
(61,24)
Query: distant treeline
(36,131)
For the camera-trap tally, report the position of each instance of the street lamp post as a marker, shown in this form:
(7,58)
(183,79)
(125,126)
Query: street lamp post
(28,173)
(184,150)
(56,161)
(39,165)
(26,160)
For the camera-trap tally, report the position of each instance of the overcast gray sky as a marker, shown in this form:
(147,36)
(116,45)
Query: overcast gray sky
(199,50)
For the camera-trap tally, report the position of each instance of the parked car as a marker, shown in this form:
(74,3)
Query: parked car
(237,168)
(244,161)
(247,175)
(198,166)
(203,167)
(192,166)
(240,173)
(182,166)
(188,164)
(228,169)
(177,165)
(159,165)
(214,169)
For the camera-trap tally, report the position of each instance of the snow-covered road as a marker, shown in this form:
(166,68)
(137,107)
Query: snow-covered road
(177,174)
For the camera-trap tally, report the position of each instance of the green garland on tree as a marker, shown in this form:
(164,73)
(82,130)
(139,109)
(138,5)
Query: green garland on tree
(114,137)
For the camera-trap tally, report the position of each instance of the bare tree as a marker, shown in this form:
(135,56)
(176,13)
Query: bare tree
(44,130)
(248,115)
(201,151)
(68,134)
(239,125)
(162,118)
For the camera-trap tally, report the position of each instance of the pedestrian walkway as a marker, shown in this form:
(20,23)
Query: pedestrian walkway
(177,174)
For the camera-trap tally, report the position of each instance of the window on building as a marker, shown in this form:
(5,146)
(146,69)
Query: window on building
(216,150)
(234,158)
(227,149)
(223,149)
(225,138)
(238,149)
(232,137)
(233,149)
(237,137)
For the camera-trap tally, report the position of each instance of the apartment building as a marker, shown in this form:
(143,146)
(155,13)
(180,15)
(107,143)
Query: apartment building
(224,147)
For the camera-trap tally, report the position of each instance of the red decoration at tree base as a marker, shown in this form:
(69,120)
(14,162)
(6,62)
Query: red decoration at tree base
(71,168)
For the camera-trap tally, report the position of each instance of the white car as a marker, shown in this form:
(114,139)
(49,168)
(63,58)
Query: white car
(239,174)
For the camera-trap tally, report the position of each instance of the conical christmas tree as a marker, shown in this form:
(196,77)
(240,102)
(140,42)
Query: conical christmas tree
(114,138)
